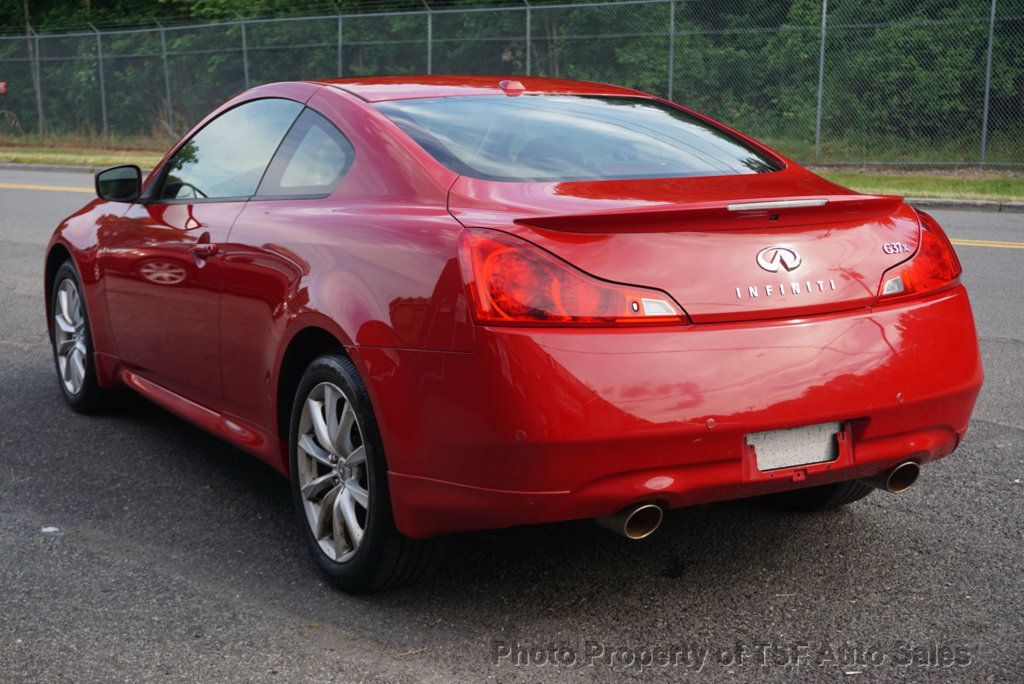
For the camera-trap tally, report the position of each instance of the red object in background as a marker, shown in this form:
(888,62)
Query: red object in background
(3,87)
(495,406)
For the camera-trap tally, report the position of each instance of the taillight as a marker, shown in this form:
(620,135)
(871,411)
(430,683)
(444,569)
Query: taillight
(933,267)
(513,282)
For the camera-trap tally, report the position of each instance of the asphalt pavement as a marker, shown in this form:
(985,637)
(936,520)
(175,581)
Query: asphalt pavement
(135,547)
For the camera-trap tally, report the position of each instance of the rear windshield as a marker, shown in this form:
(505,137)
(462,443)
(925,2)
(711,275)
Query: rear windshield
(566,137)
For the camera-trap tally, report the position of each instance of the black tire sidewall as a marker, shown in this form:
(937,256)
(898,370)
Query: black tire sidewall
(359,572)
(820,498)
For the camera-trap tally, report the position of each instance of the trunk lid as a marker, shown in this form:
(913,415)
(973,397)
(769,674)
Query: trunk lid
(711,242)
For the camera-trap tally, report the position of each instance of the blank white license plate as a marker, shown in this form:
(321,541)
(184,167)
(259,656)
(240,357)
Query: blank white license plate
(795,446)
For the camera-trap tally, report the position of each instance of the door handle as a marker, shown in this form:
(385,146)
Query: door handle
(203,250)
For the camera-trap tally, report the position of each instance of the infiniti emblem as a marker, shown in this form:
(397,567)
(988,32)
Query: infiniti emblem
(773,258)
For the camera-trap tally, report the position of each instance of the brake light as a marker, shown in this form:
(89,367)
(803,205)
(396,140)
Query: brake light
(934,267)
(513,282)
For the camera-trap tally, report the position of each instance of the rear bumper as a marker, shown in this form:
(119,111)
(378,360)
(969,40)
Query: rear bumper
(544,425)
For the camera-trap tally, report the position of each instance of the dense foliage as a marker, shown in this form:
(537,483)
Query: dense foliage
(904,79)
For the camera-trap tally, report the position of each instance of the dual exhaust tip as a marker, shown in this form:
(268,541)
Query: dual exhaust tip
(897,480)
(639,521)
(636,522)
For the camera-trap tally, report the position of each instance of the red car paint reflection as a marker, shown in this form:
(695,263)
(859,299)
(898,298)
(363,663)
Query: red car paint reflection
(525,416)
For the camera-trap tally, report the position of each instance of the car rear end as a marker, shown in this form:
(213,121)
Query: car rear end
(668,313)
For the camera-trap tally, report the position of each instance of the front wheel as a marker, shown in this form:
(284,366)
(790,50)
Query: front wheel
(72,343)
(339,484)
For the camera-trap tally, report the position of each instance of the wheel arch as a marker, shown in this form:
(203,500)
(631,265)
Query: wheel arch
(57,255)
(304,346)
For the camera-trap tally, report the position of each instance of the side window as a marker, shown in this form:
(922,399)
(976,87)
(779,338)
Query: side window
(313,159)
(228,156)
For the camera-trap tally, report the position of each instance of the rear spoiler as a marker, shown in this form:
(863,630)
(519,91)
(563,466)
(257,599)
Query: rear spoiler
(723,214)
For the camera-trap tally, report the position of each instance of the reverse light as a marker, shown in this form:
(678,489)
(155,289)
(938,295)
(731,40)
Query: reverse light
(513,282)
(934,267)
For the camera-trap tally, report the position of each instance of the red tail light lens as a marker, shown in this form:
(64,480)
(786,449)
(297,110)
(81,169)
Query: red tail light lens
(934,267)
(513,282)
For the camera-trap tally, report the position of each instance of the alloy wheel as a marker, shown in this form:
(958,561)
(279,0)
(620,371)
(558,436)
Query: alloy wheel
(69,336)
(333,477)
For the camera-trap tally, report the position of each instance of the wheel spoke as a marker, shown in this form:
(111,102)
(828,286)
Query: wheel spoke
(316,416)
(71,377)
(65,347)
(314,488)
(76,307)
(356,458)
(65,325)
(348,417)
(314,451)
(325,515)
(341,544)
(358,494)
(331,419)
(348,511)
(62,299)
(78,361)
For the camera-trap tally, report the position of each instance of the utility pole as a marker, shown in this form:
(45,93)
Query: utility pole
(988,85)
(167,79)
(245,50)
(430,37)
(32,45)
(821,80)
(103,80)
(671,48)
(529,36)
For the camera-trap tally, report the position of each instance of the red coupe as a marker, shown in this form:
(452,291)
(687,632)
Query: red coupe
(440,304)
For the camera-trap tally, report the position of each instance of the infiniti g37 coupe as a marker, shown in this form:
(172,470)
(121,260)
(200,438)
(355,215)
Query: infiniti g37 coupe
(440,304)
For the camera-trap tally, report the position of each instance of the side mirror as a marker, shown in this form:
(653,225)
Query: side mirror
(119,183)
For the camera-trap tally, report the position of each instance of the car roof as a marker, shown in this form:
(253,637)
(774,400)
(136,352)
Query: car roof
(383,88)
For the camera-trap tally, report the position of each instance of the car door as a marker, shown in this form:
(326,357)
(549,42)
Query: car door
(269,255)
(163,262)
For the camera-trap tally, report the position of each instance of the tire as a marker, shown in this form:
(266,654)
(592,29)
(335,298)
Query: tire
(341,492)
(71,340)
(822,498)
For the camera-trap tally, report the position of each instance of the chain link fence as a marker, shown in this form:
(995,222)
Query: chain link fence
(840,83)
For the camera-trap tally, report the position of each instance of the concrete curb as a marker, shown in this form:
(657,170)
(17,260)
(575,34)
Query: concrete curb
(964,205)
(59,168)
(920,202)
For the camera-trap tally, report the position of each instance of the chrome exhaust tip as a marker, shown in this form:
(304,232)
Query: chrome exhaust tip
(634,522)
(897,480)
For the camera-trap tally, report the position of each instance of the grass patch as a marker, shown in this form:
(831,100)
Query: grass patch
(66,156)
(971,185)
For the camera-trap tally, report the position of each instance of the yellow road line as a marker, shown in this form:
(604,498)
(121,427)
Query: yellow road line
(51,188)
(988,243)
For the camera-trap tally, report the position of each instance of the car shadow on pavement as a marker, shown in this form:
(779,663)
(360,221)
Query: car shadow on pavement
(152,484)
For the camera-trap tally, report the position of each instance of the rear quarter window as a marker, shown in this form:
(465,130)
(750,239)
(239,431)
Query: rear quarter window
(564,138)
(312,160)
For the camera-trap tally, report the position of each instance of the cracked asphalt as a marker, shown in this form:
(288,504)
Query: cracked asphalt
(134,547)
